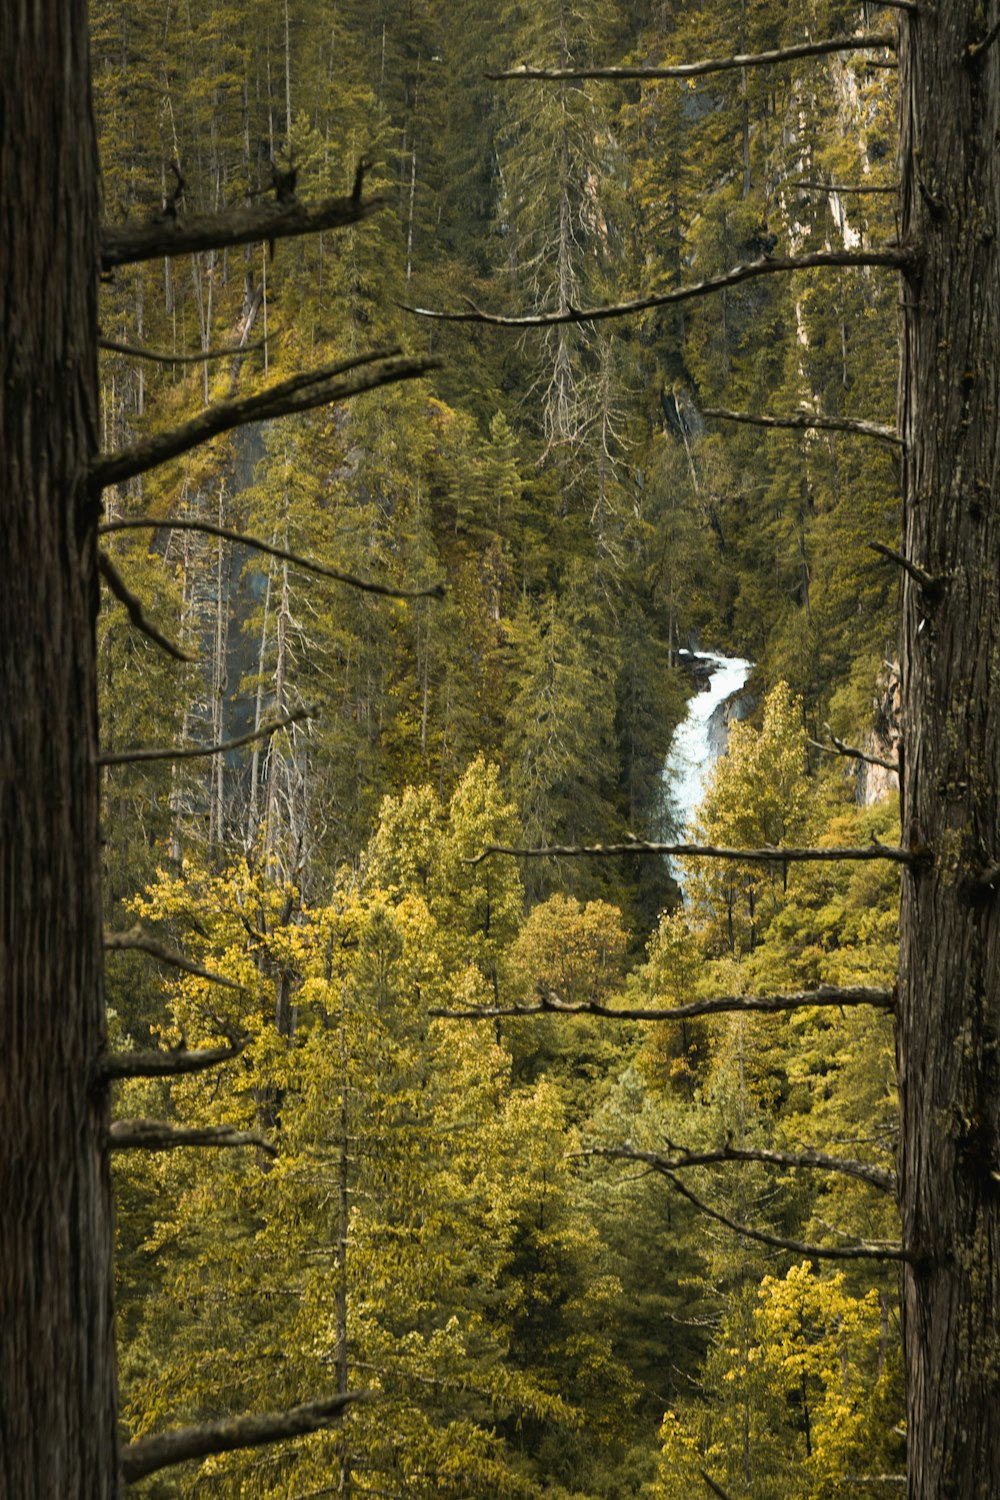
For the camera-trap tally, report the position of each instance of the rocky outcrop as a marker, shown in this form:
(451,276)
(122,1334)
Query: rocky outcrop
(732,710)
(875,782)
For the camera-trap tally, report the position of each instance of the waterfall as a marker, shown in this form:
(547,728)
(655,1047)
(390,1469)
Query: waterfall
(700,739)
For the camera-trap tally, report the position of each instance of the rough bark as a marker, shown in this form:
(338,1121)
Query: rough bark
(57,1371)
(949,993)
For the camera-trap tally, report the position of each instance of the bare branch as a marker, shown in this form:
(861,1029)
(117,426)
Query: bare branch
(550,1004)
(138,941)
(817,1161)
(844,187)
(147,523)
(864,42)
(976,49)
(136,613)
(862,1251)
(124,244)
(768,855)
(809,421)
(195,752)
(165,1449)
(892,256)
(162,1062)
(134,351)
(931,586)
(714,1485)
(159,1135)
(837,747)
(300,393)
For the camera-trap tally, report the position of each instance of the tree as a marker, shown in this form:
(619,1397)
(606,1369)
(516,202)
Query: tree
(948,1009)
(57,1429)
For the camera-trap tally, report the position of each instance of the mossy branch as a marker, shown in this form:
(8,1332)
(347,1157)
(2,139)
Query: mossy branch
(770,854)
(862,1251)
(300,393)
(163,1450)
(864,42)
(817,1161)
(165,1062)
(124,244)
(136,611)
(196,752)
(160,1135)
(550,1004)
(809,422)
(770,265)
(138,941)
(257,544)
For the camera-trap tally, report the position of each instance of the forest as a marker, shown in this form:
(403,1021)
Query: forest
(556,1167)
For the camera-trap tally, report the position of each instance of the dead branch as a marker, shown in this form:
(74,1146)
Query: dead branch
(138,941)
(195,752)
(309,564)
(810,422)
(714,1486)
(837,747)
(931,586)
(817,1161)
(298,394)
(770,264)
(550,1004)
(844,187)
(976,49)
(864,42)
(165,1449)
(862,1251)
(134,351)
(165,1062)
(770,854)
(158,1135)
(136,613)
(124,244)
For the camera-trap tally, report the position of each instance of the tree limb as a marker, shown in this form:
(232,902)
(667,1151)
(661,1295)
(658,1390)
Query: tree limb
(136,613)
(931,586)
(138,941)
(976,49)
(550,1004)
(800,1160)
(768,266)
(135,352)
(300,393)
(862,1251)
(195,752)
(837,747)
(844,187)
(865,42)
(165,1062)
(714,1486)
(770,854)
(159,1135)
(810,422)
(124,244)
(147,523)
(163,1450)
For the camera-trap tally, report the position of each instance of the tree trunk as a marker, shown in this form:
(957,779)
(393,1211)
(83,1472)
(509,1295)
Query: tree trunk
(57,1369)
(949,1002)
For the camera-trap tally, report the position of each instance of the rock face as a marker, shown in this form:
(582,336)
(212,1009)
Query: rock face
(875,782)
(732,710)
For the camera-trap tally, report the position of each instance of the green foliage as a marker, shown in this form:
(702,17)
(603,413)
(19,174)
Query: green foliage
(521,1315)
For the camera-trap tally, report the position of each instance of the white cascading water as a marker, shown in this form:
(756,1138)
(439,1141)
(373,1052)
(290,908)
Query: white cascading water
(696,748)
